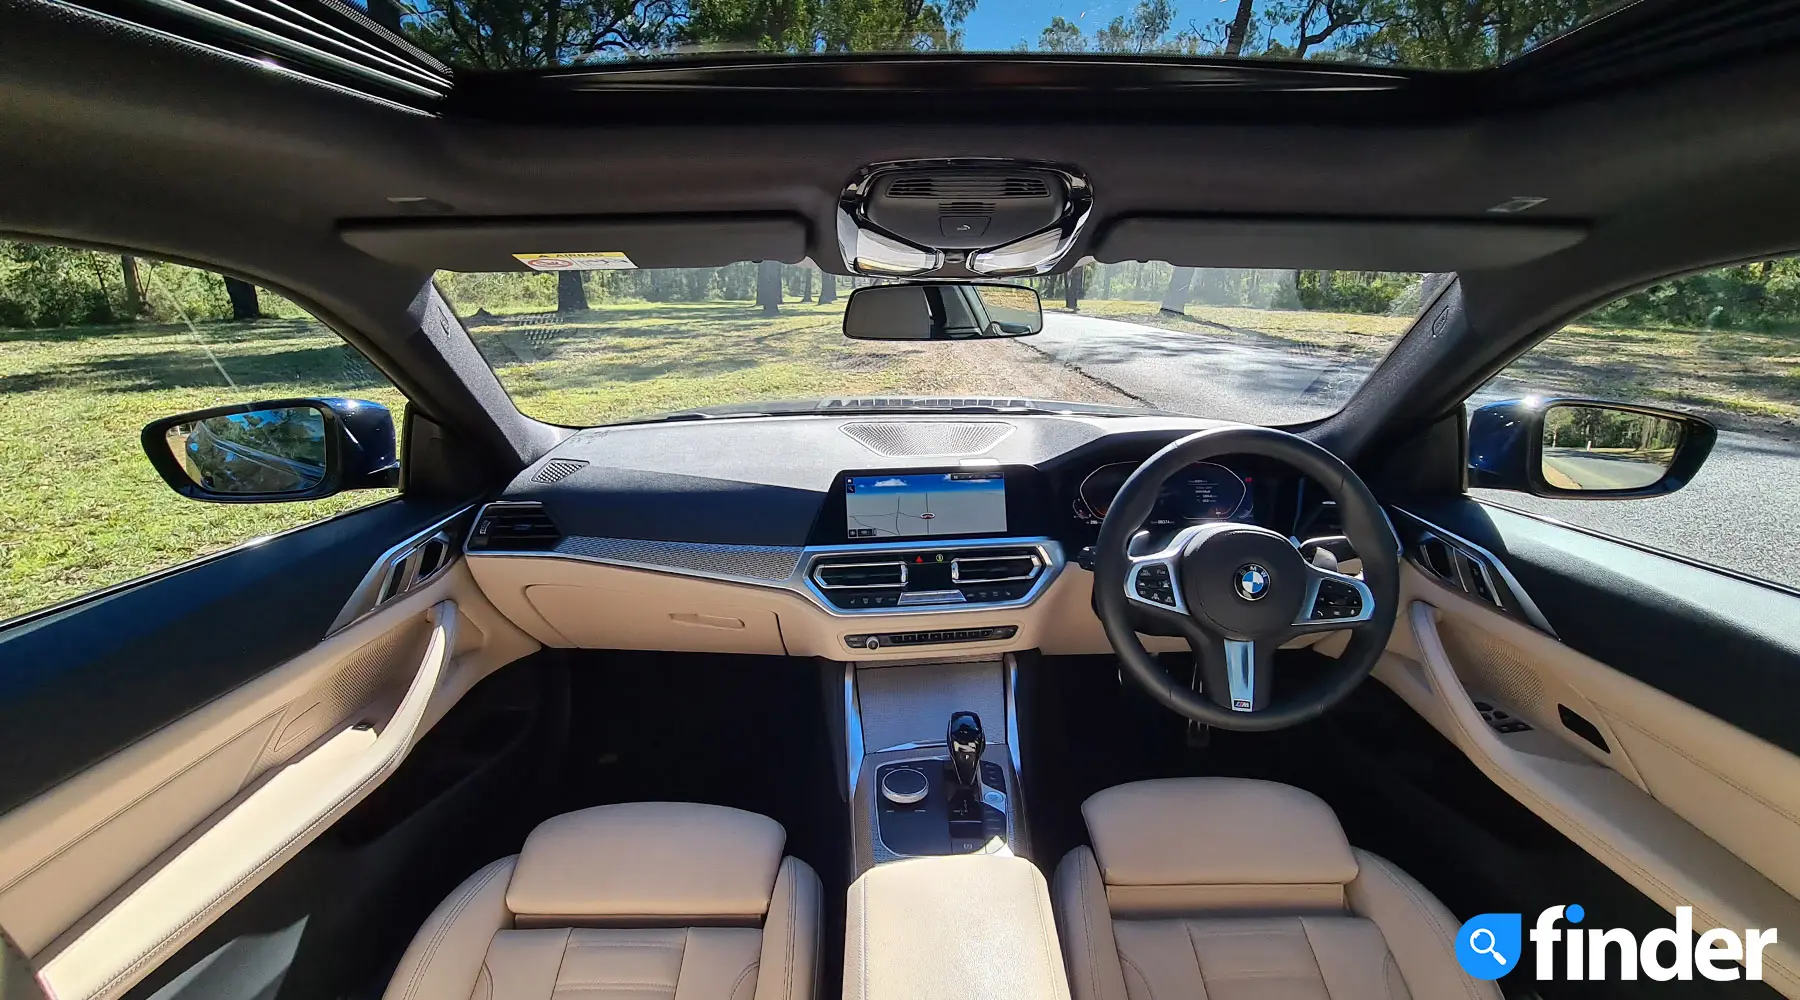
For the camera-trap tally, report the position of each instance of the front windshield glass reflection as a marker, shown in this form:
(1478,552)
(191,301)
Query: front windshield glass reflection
(1265,346)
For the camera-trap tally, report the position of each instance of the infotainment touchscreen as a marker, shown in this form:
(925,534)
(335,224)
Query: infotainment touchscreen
(920,505)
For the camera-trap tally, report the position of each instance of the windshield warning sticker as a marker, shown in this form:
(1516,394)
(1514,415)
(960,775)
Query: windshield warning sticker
(604,260)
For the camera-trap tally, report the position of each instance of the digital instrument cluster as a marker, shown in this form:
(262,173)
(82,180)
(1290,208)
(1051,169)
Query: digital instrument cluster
(1204,491)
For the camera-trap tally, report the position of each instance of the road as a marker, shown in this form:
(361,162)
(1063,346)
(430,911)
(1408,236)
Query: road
(1739,512)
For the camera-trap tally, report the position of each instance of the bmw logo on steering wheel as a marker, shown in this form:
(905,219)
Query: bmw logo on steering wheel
(1252,582)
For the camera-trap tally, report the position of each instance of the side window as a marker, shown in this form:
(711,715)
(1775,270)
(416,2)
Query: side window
(1724,345)
(94,346)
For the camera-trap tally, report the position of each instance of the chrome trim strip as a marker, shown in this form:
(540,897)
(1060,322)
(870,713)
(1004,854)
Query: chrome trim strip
(1240,673)
(365,600)
(1012,716)
(1527,608)
(853,730)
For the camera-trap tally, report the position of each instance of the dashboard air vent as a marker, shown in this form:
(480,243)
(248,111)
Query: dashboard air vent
(998,568)
(558,469)
(857,575)
(515,527)
(969,186)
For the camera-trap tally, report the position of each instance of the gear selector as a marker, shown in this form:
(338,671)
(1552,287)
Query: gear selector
(966,742)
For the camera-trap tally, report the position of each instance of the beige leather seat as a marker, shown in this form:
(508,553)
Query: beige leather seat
(643,901)
(1227,889)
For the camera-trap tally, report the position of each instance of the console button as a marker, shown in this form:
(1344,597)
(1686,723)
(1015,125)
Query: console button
(903,786)
(993,775)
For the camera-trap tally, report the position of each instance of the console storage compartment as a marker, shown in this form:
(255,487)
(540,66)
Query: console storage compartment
(972,927)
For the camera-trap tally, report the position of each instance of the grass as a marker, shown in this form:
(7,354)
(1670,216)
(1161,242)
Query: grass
(82,509)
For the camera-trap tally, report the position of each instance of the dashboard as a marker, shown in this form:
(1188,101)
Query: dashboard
(853,516)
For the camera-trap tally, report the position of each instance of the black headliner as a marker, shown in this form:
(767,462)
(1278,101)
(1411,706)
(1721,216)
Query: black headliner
(113,136)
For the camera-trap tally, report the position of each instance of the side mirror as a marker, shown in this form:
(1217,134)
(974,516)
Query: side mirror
(277,450)
(942,311)
(1585,449)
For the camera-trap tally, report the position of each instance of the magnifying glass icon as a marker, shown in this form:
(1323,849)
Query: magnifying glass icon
(1478,948)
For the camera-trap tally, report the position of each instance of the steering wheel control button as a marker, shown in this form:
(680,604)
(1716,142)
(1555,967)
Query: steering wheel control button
(1155,584)
(905,786)
(1336,600)
(1252,582)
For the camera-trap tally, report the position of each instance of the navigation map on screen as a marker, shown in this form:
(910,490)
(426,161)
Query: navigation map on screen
(945,503)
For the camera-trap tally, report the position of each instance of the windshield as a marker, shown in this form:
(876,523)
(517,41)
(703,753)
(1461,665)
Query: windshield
(546,34)
(1254,345)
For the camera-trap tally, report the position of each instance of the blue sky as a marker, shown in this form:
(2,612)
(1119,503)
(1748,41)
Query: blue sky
(998,25)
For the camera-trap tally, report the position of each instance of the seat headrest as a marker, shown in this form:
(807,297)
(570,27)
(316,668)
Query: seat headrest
(1216,831)
(655,862)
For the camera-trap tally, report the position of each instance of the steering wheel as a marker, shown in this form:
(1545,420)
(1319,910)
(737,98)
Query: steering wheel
(1237,592)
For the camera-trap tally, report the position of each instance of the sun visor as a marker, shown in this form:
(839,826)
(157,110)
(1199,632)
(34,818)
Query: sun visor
(648,241)
(1332,244)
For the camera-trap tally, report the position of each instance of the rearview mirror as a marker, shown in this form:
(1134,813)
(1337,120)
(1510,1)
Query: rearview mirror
(942,311)
(1583,448)
(285,449)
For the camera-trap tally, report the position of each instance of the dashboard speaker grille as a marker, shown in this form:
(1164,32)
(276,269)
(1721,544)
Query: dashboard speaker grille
(558,469)
(929,438)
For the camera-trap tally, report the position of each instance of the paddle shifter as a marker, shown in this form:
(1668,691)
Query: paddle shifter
(966,742)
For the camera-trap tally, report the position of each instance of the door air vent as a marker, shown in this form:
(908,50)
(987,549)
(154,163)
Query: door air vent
(558,469)
(514,526)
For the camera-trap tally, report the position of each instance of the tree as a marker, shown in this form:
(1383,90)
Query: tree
(827,288)
(1141,32)
(244,305)
(768,286)
(134,288)
(571,294)
(1062,36)
(1240,29)
(1073,288)
(1175,299)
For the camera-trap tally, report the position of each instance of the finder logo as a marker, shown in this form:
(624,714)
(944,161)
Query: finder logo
(1489,946)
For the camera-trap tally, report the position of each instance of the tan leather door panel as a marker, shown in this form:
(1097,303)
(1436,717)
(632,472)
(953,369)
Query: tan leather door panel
(1691,809)
(70,858)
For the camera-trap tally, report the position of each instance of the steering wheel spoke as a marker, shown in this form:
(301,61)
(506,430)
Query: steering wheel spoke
(1153,579)
(1237,674)
(1333,601)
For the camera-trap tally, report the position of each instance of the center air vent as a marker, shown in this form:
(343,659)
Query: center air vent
(852,574)
(1003,568)
(511,526)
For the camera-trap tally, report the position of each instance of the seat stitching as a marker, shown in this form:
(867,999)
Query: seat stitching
(597,983)
(102,824)
(793,917)
(437,939)
(1393,965)
(740,980)
(1081,888)
(1306,935)
(1690,758)
(1193,946)
(1148,991)
(562,957)
(1421,908)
